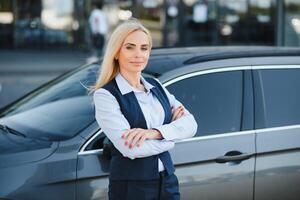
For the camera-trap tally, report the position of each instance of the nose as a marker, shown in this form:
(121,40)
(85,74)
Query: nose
(138,53)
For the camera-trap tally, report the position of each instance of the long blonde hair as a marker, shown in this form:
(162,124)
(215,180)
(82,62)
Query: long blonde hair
(110,66)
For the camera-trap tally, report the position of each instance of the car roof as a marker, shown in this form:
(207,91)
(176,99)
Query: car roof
(164,60)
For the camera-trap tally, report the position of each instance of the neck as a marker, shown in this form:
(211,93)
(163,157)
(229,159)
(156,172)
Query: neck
(134,79)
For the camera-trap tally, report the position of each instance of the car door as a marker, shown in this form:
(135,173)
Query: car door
(218,163)
(277,122)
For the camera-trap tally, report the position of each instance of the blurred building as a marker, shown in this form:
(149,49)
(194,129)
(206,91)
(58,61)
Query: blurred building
(43,24)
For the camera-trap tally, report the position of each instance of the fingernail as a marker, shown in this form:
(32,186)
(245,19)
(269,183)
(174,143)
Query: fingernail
(130,146)
(122,136)
(138,145)
(126,143)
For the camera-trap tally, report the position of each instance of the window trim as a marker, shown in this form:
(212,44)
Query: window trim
(206,71)
(88,152)
(259,67)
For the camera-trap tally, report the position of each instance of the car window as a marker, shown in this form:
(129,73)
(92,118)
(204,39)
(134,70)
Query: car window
(57,111)
(214,99)
(281,96)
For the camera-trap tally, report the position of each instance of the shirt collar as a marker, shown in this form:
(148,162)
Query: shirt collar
(125,87)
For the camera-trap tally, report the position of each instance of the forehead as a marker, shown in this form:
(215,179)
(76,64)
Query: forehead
(137,37)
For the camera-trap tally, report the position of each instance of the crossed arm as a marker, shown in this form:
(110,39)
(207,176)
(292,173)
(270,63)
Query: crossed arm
(138,142)
(137,136)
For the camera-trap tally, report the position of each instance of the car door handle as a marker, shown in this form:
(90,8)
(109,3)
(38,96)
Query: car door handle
(233,156)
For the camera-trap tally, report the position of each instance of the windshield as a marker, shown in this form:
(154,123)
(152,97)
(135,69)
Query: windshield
(56,111)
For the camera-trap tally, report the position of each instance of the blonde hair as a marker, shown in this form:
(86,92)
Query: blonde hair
(110,66)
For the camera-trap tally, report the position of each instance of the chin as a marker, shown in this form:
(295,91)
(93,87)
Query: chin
(138,68)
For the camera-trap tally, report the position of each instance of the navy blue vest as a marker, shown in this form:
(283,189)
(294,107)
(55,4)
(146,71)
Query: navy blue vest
(122,168)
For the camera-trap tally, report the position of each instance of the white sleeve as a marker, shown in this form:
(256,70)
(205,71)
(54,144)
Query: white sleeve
(111,120)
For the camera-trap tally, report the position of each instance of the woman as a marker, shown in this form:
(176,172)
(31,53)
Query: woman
(136,115)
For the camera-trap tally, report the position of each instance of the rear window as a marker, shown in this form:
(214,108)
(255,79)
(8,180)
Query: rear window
(281,98)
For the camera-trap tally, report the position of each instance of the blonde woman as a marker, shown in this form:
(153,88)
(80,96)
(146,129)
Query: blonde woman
(136,115)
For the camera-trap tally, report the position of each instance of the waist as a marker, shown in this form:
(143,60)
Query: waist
(122,168)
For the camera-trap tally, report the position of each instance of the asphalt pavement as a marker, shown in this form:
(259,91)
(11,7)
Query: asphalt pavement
(21,71)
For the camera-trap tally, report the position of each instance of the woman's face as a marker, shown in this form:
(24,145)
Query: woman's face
(134,53)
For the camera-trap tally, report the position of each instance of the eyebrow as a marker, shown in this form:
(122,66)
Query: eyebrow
(131,44)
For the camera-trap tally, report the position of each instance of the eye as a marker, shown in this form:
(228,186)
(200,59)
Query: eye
(128,47)
(144,48)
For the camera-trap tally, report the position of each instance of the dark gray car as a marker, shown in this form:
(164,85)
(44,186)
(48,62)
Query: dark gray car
(246,101)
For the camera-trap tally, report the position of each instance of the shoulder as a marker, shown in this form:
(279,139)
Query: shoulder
(105,102)
(106,91)
(102,92)
(102,98)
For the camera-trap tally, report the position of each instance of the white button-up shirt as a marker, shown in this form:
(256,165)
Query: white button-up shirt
(112,121)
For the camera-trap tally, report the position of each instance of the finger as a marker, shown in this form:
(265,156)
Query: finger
(183,113)
(125,133)
(132,135)
(141,141)
(178,110)
(180,114)
(129,136)
(135,139)
(129,132)
(174,116)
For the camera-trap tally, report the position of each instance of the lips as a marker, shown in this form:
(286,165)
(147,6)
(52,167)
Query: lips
(137,63)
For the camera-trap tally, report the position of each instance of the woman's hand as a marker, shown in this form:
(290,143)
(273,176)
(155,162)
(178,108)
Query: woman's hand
(137,136)
(177,113)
